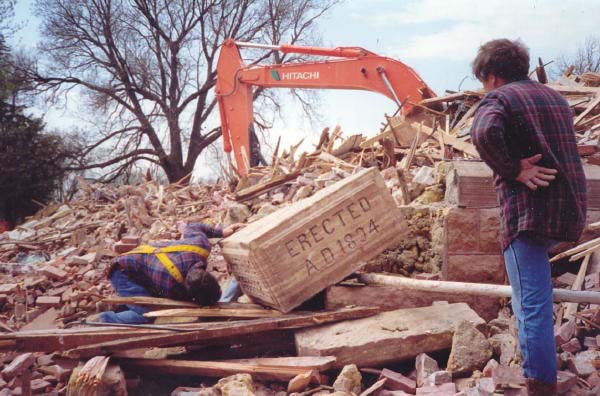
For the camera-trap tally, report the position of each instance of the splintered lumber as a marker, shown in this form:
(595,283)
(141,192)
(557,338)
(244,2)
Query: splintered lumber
(175,304)
(220,330)
(163,302)
(292,254)
(97,377)
(387,337)
(570,309)
(579,248)
(588,109)
(215,369)
(52,340)
(214,313)
(320,363)
(261,188)
(480,289)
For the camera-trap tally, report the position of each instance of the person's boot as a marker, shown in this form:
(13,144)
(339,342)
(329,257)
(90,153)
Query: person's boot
(540,388)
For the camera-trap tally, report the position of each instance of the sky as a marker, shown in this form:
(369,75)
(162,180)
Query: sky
(437,38)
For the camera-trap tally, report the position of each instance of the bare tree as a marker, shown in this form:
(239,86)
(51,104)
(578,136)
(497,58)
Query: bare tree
(585,59)
(149,67)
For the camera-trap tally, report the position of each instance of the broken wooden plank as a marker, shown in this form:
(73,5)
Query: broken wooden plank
(221,329)
(452,97)
(261,188)
(579,248)
(214,313)
(174,304)
(571,308)
(215,368)
(51,340)
(387,337)
(320,363)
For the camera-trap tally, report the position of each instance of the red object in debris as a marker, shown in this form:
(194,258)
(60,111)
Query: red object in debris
(587,149)
(4,226)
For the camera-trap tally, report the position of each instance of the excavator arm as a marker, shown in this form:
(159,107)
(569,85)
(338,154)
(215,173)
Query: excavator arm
(355,68)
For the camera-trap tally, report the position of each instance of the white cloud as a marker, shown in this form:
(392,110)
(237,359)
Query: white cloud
(454,29)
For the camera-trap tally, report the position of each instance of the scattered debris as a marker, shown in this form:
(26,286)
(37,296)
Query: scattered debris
(423,169)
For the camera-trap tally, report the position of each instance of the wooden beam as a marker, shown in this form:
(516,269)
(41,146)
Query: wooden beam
(215,369)
(162,302)
(222,329)
(215,313)
(320,363)
(579,248)
(63,339)
(452,97)
(168,303)
(261,188)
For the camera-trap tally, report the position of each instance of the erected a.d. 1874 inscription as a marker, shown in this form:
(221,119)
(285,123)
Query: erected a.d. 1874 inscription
(352,225)
(289,256)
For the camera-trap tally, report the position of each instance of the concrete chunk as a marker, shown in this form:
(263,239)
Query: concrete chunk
(395,335)
(470,350)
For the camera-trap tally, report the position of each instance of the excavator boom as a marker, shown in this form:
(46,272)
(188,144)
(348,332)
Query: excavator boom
(353,68)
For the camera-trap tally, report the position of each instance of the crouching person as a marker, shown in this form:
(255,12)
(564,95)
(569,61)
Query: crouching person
(171,269)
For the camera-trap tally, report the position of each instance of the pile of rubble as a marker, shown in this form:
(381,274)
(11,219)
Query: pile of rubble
(52,276)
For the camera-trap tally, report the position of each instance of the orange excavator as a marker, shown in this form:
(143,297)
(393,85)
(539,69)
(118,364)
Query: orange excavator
(354,68)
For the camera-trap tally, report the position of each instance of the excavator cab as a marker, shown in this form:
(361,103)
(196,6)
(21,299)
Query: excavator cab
(349,68)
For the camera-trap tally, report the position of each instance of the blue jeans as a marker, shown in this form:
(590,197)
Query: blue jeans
(125,287)
(232,291)
(528,268)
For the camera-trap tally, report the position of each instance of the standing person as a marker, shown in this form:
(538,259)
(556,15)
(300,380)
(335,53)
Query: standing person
(172,269)
(524,131)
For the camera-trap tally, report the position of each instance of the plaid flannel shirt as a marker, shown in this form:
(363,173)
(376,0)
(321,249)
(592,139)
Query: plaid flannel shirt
(148,271)
(519,120)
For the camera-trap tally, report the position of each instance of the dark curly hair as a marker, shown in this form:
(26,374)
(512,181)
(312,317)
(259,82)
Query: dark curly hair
(503,58)
(202,287)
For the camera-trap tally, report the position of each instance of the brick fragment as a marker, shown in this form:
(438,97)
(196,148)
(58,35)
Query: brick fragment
(572,346)
(18,364)
(590,342)
(439,378)
(54,273)
(438,390)
(60,373)
(397,381)
(566,279)
(565,381)
(565,332)
(121,247)
(504,376)
(38,385)
(47,301)
(131,239)
(489,367)
(582,363)
(8,288)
